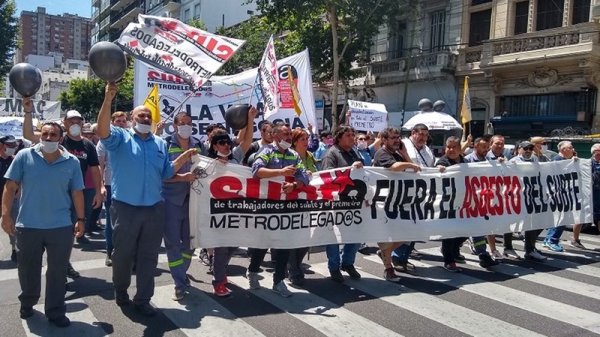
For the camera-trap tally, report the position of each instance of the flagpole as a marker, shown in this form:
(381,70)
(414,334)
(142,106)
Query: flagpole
(176,110)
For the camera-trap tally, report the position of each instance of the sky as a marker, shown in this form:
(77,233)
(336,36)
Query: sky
(79,7)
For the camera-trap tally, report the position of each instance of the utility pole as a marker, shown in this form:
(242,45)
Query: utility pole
(409,62)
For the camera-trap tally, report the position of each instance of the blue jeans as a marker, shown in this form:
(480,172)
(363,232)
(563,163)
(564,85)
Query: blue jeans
(554,234)
(348,255)
(402,253)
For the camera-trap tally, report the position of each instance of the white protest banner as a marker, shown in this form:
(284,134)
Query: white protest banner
(228,207)
(168,44)
(13,126)
(208,105)
(367,116)
(45,110)
(268,78)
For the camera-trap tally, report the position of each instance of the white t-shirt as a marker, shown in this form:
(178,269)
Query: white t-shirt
(423,157)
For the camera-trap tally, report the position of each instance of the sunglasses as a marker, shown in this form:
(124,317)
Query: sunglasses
(363,138)
(223,142)
(528,148)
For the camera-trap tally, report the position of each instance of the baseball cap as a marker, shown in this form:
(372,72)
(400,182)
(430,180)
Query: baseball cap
(524,144)
(73,114)
(9,139)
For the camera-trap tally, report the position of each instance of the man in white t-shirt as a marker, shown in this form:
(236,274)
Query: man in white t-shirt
(416,146)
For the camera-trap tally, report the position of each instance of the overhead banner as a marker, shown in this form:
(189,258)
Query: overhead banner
(13,126)
(368,116)
(44,110)
(208,105)
(268,79)
(168,44)
(230,208)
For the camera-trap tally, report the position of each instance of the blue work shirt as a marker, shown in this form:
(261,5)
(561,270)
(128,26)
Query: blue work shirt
(45,188)
(177,192)
(139,166)
(270,157)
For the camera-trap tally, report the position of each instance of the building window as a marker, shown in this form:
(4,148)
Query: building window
(438,31)
(197,11)
(564,105)
(186,15)
(521,16)
(549,14)
(396,47)
(581,11)
(479,2)
(479,29)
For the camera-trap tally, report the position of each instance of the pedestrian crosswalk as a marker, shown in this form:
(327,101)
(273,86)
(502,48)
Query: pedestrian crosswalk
(558,297)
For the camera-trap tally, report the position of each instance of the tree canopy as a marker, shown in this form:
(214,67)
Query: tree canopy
(9,29)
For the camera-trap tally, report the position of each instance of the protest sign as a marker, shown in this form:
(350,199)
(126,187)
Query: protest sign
(168,44)
(209,103)
(367,116)
(45,110)
(268,79)
(228,207)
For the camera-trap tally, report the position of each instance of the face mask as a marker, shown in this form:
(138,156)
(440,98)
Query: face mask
(328,141)
(284,145)
(10,151)
(221,154)
(49,147)
(75,130)
(142,128)
(361,144)
(184,131)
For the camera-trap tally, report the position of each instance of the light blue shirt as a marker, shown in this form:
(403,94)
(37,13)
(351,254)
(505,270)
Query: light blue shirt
(45,188)
(139,166)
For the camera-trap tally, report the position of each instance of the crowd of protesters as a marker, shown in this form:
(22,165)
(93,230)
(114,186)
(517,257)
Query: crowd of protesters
(143,180)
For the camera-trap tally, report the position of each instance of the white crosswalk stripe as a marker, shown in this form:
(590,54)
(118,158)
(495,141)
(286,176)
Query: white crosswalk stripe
(83,322)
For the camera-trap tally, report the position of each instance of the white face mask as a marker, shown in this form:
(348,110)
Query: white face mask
(75,130)
(284,145)
(10,151)
(221,154)
(143,128)
(49,147)
(184,131)
(361,144)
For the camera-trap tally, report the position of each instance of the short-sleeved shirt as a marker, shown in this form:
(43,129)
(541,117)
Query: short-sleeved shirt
(45,188)
(519,158)
(177,192)
(270,157)
(140,166)
(491,156)
(385,158)
(473,158)
(337,157)
(445,161)
(84,150)
(103,158)
(423,157)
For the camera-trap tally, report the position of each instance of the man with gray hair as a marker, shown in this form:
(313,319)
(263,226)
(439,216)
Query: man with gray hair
(552,240)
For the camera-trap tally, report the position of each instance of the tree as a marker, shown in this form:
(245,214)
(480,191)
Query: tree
(86,96)
(9,29)
(337,33)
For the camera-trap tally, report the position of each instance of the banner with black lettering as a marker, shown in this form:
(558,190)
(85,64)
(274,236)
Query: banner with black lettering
(44,110)
(168,44)
(228,207)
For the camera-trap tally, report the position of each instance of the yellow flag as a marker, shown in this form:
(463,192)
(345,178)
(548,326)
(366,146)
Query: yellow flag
(295,93)
(465,110)
(151,103)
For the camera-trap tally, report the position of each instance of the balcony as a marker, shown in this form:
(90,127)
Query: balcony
(121,19)
(421,67)
(571,41)
(95,3)
(165,6)
(95,14)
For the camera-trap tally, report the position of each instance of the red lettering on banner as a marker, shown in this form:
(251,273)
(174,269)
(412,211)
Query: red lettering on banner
(211,44)
(163,77)
(226,188)
(486,196)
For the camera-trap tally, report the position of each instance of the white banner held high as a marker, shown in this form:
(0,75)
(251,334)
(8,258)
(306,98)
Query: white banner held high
(367,116)
(268,78)
(170,45)
(208,104)
(228,207)
(45,110)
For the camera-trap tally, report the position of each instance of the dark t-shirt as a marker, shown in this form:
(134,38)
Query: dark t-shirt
(84,150)
(4,164)
(385,158)
(445,161)
(336,157)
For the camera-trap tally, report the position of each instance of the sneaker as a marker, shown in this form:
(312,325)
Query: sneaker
(511,254)
(336,275)
(61,321)
(26,312)
(576,244)
(460,259)
(555,247)
(13,256)
(415,254)
(203,257)
(122,298)
(71,272)
(253,280)
(471,246)
(351,272)
(145,309)
(496,255)
(389,275)
(364,248)
(535,256)
(486,261)
(221,290)
(210,265)
(282,289)
(451,267)
(178,295)
(108,260)
(82,240)
(297,281)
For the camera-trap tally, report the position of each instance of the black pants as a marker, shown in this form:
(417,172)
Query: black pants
(295,262)
(530,239)
(451,249)
(281,259)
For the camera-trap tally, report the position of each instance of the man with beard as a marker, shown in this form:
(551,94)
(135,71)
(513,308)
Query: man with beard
(137,209)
